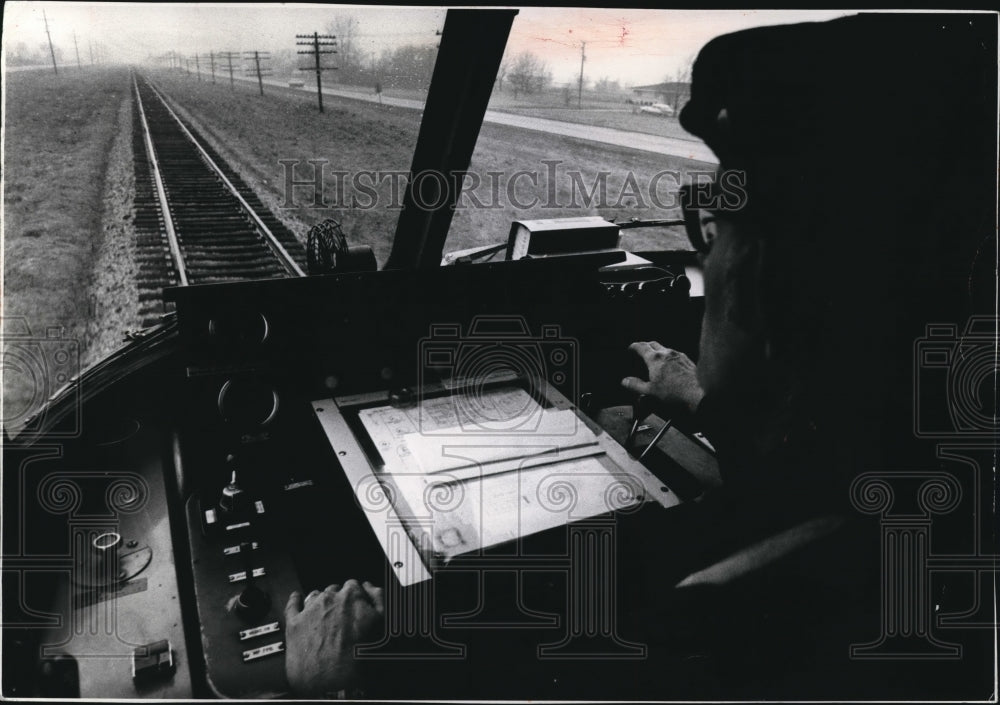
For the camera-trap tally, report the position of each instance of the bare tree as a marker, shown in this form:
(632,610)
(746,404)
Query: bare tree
(544,78)
(682,74)
(348,59)
(607,85)
(528,74)
(22,55)
(43,49)
(502,73)
(682,77)
(409,66)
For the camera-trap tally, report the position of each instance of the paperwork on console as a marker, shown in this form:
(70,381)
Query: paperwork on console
(475,470)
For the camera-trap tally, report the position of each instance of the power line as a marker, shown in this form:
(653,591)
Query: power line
(389,35)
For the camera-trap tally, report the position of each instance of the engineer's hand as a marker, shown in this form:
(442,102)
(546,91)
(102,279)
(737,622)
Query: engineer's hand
(672,377)
(321,633)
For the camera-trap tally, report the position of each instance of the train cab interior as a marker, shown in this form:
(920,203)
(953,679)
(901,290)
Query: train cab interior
(451,427)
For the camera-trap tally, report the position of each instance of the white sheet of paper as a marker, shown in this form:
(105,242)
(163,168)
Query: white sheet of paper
(484,413)
(554,434)
(464,508)
(522,503)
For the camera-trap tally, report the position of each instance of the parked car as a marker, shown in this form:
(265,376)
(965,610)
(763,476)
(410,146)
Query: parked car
(657,109)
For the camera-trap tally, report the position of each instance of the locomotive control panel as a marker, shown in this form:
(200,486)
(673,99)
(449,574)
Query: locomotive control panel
(282,378)
(266,470)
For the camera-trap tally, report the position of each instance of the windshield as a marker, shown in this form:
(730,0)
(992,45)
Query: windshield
(582,121)
(86,255)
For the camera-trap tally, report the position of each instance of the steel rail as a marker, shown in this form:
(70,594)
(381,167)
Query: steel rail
(269,238)
(168,222)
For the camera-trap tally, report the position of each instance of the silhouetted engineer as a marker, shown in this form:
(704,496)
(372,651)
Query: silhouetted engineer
(868,146)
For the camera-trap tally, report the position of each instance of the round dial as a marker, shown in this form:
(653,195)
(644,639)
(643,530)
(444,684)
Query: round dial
(240,328)
(248,403)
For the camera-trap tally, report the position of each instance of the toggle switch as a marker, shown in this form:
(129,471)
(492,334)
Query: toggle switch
(234,499)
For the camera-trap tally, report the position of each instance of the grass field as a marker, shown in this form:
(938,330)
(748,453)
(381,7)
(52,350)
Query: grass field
(355,137)
(597,109)
(59,130)
(620,117)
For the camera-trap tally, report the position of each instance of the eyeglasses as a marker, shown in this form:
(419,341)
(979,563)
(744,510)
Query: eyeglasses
(698,199)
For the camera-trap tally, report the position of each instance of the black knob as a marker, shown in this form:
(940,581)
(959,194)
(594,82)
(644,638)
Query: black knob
(252,602)
(401,397)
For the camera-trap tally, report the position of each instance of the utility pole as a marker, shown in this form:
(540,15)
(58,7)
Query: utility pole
(91,45)
(378,83)
(197,66)
(78,64)
(51,50)
(328,40)
(211,57)
(261,72)
(579,88)
(229,56)
(260,81)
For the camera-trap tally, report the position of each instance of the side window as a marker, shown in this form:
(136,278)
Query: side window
(583,121)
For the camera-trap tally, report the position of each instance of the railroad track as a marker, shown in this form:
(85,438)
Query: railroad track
(196,221)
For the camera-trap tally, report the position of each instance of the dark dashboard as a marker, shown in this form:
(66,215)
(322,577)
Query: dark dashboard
(201,463)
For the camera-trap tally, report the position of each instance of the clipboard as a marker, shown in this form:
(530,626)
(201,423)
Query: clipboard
(456,471)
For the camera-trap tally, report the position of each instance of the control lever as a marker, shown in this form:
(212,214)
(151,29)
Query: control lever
(642,407)
(252,602)
(234,498)
(656,439)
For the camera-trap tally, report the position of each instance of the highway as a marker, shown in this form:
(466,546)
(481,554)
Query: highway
(655,144)
(667,146)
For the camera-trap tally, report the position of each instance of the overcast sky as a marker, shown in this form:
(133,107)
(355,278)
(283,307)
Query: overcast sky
(633,46)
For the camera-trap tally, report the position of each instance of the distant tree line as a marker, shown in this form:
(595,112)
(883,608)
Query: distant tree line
(406,66)
(412,65)
(523,73)
(23,55)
